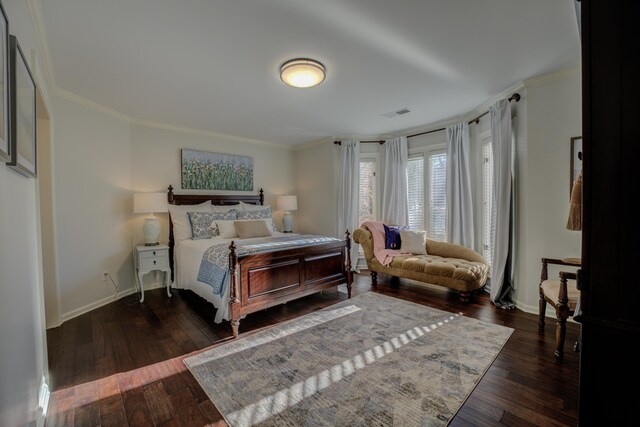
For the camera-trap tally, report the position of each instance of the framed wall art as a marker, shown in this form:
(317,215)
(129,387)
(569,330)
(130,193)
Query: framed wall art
(5,146)
(22,112)
(202,170)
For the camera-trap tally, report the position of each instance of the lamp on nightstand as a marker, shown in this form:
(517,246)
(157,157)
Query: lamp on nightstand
(150,203)
(287,203)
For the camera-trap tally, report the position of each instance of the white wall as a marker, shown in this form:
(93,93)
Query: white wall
(23,352)
(316,173)
(553,117)
(93,204)
(155,163)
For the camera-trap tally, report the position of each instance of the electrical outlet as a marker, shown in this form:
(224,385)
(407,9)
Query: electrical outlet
(105,275)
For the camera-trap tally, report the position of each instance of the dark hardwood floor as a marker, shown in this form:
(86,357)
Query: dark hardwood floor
(121,364)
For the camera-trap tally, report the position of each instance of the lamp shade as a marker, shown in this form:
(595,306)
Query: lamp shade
(287,203)
(150,202)
(575,208)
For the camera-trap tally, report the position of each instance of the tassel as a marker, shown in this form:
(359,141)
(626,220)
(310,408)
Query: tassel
(575,208)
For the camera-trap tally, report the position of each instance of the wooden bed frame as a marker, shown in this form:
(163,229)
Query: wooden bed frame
(262,280)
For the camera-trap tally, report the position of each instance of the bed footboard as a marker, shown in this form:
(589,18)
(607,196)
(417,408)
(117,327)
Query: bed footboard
(259,281)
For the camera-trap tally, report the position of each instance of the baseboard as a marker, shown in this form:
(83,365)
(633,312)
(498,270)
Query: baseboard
(533,309)
(43,403)
(96,304)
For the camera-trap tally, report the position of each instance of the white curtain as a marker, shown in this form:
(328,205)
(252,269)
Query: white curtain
(459,214)
(501,285)
(349,193)
(395,204)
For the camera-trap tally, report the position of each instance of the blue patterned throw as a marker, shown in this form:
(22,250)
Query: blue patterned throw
(214,267)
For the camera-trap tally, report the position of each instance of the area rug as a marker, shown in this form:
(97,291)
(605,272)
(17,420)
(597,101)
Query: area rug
(369,360)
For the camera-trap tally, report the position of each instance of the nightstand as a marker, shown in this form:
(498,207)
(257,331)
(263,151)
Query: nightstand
(150,258)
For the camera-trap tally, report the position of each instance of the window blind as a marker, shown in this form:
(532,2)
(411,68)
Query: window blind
(415,187)
(366,211)
(487,200)
(436,229)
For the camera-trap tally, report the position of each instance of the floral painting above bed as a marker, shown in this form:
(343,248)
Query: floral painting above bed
(202,170)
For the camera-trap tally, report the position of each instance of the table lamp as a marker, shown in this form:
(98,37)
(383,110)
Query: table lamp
(150,203)
(287,203)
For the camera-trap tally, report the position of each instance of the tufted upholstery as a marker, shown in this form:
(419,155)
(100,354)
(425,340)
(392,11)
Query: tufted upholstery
(445,264)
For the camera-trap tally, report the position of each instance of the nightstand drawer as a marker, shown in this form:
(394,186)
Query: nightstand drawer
(159,253)
(154,262)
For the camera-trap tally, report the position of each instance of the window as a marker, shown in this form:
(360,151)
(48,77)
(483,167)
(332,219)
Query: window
(487,200)
(367,203)
(415,187)
(437,176)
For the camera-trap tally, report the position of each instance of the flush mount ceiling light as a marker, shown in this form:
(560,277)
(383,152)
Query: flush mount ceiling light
(302,72)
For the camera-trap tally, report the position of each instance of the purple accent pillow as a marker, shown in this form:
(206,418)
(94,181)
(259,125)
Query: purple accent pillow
(392,236)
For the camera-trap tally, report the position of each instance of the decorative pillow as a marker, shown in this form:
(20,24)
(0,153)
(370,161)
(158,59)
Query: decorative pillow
(414,242)
(252,228)
(226,208)
(180,218)
(250,207)
(392,238)
(202,223)
(227,228)
(264,213)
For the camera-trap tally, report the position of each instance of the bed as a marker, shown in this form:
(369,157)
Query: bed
(261,279)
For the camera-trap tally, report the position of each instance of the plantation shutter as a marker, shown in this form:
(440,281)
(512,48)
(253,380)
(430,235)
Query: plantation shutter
(487,197)
(415,187)
(366,211)
(436,229)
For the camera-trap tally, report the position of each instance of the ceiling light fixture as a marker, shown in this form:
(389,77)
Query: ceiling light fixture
(302,72)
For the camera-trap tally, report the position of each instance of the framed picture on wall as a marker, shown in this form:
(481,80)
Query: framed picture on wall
(576,160)
(22,101)
(4,93)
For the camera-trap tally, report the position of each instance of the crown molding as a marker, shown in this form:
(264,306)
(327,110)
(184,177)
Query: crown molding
(555,75)
(211,134)
(70,96)
(312,144)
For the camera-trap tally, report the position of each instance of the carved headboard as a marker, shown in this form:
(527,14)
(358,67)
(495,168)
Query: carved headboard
(216,199)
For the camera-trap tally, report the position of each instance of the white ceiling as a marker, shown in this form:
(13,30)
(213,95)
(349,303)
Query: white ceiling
(213,64)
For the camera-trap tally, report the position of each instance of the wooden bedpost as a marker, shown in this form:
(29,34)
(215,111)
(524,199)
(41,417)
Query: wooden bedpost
(170,195)
(233,282)
(347,263)
(261,197)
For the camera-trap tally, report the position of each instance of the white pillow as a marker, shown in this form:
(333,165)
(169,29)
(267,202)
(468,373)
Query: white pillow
(413,241)
(226,208)
(180,218)
(227,228)
(250,207)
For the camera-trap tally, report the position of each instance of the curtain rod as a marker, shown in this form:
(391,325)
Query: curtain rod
(515,97)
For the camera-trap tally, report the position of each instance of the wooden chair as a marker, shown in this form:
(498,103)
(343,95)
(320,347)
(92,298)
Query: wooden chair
(562,294)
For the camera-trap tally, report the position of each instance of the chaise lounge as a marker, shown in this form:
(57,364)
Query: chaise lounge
(445,264)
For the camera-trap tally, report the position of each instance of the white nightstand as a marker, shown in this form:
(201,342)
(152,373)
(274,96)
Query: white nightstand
(151,258)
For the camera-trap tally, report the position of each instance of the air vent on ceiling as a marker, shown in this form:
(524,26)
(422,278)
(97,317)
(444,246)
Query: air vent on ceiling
(397,113)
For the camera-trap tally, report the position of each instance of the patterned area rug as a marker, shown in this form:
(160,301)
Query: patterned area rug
(370,360)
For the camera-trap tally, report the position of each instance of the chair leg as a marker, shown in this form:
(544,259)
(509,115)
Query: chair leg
(542,309)
(562,313)
(464,297)
(374,278)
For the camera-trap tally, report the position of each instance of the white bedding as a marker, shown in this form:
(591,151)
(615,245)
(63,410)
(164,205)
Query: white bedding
(188,255)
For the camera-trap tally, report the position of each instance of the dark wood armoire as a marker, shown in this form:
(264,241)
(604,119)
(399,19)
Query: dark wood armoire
(609,361)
